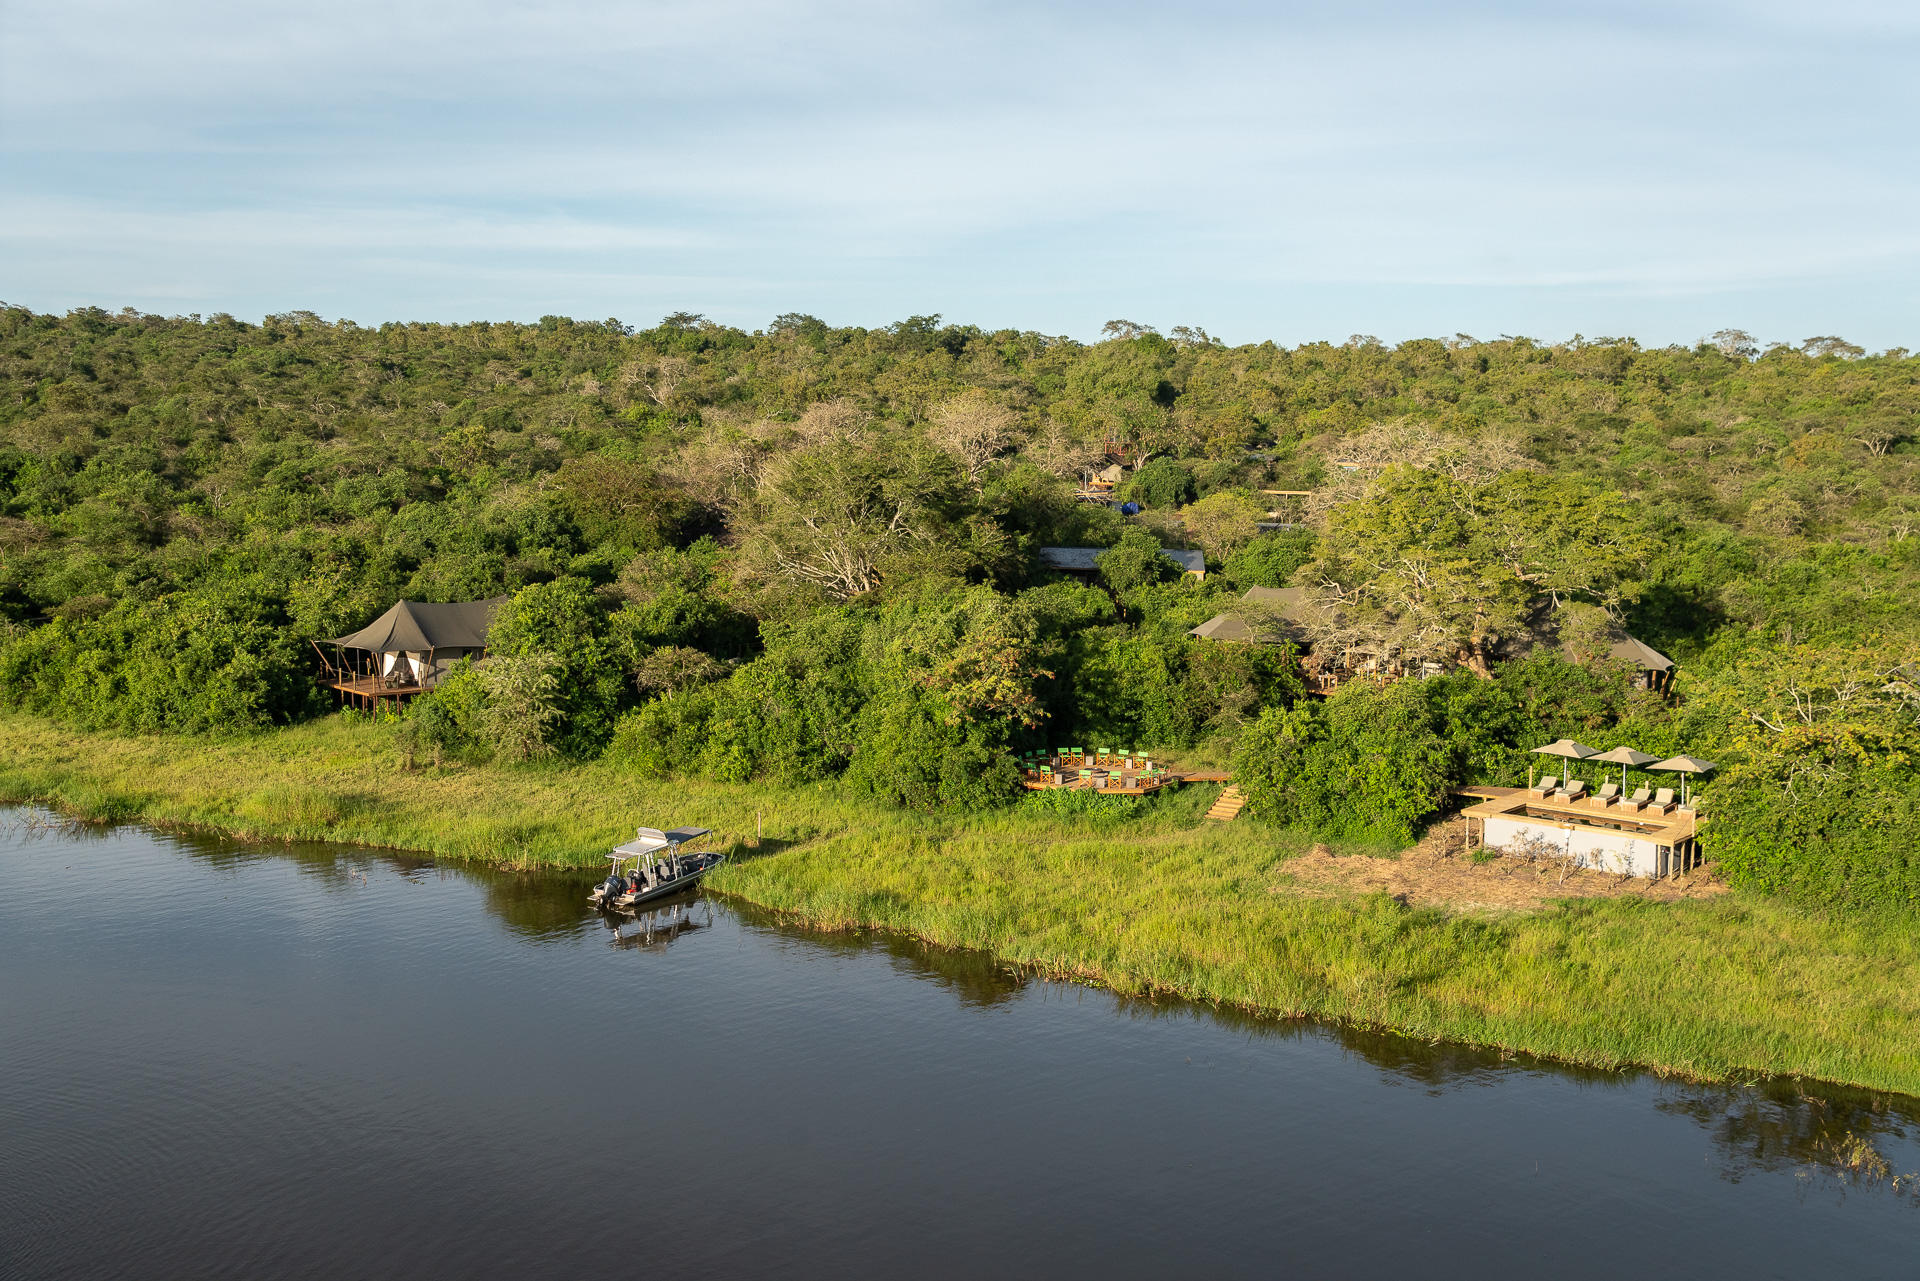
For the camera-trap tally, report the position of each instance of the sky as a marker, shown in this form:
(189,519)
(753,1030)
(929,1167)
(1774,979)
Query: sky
(1263,171)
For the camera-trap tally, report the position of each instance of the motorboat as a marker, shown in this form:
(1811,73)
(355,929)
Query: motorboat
(659,867)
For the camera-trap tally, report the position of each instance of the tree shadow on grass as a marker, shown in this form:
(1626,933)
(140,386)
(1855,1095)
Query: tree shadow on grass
(749,849)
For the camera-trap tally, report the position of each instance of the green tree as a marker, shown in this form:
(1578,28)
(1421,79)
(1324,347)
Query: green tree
(522,704)
(1135,561)
(1223,523)
(1160,483)
(563,624)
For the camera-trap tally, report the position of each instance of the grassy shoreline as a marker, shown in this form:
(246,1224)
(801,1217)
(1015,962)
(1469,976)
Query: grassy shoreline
(1159,902)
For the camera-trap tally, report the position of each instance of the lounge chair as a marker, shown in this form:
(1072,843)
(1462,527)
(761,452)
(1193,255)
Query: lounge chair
(1638,800)
(1572,791)
(1663,800)
(1606,796)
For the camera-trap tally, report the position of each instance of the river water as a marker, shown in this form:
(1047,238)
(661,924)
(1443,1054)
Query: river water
(223,1060)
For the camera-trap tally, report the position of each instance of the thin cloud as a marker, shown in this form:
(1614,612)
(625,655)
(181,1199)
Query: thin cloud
(1596,164)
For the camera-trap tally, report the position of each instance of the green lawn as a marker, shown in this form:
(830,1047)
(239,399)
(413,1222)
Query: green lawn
(1156,902)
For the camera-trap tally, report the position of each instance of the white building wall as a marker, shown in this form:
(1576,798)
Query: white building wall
(1594,847)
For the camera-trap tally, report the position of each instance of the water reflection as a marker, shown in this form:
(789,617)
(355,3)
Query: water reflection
(1830,1135)
(535,905)
(975,978)
(658,926)
(1826,1136)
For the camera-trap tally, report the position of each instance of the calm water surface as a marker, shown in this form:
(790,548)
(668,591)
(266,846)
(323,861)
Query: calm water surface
(219,1060)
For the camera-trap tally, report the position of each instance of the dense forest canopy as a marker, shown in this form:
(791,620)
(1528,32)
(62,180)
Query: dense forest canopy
(810,552)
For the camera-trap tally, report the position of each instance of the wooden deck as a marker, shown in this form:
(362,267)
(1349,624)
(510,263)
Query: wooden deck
(369,691)
(1668,827)
(1110,774)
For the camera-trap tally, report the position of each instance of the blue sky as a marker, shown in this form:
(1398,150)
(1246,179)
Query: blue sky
(1285,171)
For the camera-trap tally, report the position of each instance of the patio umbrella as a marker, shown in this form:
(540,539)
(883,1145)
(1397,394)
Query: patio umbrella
(1624,757)
(1567,748)
(1683,766)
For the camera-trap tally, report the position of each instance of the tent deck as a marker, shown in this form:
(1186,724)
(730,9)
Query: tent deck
(371,689)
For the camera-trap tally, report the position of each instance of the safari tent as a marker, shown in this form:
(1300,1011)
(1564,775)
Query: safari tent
(408,648)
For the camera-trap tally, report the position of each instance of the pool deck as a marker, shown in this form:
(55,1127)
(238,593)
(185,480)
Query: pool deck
(1668,827)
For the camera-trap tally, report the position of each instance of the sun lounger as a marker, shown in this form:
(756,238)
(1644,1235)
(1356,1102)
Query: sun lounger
(1606,796)
(1663,800)
(1638,800)
(1573,791)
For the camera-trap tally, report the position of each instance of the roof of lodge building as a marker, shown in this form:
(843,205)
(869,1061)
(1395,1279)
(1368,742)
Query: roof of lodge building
(1086,559)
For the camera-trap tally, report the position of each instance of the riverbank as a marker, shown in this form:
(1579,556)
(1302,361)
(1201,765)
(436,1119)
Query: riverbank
(1157,902)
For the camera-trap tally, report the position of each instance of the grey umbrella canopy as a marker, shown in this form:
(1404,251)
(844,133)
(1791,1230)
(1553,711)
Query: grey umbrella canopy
(1625,758)
(1683,766)
(1567,748)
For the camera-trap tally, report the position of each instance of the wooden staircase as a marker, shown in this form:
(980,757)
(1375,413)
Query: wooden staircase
(1227,806)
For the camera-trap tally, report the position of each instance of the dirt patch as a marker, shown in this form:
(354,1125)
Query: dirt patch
(1440,872)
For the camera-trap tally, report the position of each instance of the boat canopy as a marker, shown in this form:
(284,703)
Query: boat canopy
(650,839)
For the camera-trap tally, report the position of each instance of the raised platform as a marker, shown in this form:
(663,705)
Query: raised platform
(1610,836)
(1480,791)
(370,691)
(1110,774)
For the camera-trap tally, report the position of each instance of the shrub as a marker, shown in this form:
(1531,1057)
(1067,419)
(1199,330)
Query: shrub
(912,753)
(522,704)
(1825,814)
(448,719)
(198,662)
(1271,559)
(1367,763)
(564,622)
(1161,483)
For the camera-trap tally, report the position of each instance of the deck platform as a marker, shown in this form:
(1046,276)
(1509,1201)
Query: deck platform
(1108,773)
(370,691)
(1609,831)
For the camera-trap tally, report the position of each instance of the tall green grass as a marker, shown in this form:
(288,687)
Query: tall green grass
(1151,900)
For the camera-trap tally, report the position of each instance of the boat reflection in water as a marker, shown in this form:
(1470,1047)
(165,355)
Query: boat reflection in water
(654,927)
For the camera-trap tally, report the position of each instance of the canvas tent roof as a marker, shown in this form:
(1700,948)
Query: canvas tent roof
(1284,597)
(1640,654)
(423,625)
(1224,627)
